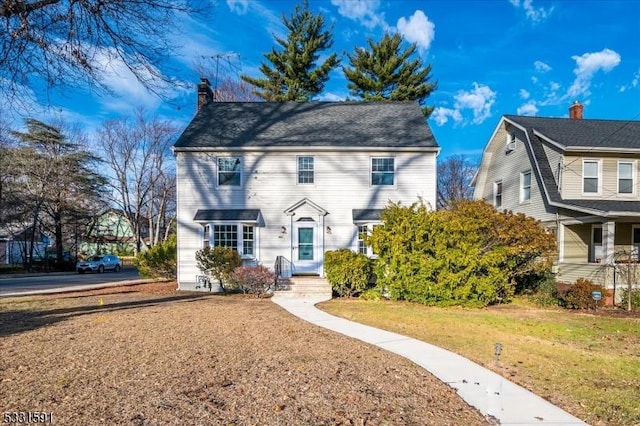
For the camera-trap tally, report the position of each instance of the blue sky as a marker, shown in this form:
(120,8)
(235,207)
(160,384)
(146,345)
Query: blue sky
(490,58)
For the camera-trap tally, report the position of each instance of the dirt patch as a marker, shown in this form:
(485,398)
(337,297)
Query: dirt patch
(146,355)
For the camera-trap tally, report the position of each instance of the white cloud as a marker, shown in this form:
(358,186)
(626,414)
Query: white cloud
(528,109)
(418,29)
(363,11)
(441,115)
(331,97)
(533,14)
(524,94)
(238,6)
(587,65)
(541,66)
(534,80)
(634,82)
(553,86)
(479,100)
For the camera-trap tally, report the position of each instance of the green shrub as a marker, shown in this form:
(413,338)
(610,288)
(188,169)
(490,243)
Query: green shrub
(546,292)
(219,262)
(371,294)
(158,261)
(469,255)
(348,273)
(635,298)
(256,280)
(578,295)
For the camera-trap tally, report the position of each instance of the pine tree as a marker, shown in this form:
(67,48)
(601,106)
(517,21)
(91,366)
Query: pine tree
(385,72)
(294,75)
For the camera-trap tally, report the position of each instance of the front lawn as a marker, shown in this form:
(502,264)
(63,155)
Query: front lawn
(587,364)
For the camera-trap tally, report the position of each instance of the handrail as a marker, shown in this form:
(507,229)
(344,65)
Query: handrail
(282,269)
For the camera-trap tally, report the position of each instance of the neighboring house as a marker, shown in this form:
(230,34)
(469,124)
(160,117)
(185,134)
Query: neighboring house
(109,232)
(579,177)
(15,244)
(289,181)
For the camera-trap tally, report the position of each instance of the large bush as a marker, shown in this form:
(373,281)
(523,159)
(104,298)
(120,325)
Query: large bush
(470,254)
(256,280)
(348,273)
(218,261)
(158,261)
(635,299)
(578,295)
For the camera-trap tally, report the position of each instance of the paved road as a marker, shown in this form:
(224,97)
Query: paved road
(54,280)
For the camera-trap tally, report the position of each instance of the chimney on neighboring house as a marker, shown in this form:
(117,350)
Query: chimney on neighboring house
(575,111)
(205,94)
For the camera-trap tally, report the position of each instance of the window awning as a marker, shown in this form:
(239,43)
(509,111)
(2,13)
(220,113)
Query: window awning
(240,215)
(366,215)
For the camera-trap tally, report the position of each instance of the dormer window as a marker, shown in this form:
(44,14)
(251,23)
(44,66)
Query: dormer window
(591,176)
(511,142)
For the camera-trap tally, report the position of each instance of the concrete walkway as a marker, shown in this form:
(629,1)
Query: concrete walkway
(487,391)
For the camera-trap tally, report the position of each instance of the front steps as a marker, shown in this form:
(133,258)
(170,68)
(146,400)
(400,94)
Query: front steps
(303,287)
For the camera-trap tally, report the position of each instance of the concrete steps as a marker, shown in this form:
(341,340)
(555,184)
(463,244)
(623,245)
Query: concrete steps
(303,287)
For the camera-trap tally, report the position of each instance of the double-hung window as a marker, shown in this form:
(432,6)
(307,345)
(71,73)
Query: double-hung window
(206,235)
(591,176)
(635,239)
(248,240)
(305,171)
(625,177)
(225,236)
(497,193)
(382,171)
(525,186)
(362,232)
(229,171)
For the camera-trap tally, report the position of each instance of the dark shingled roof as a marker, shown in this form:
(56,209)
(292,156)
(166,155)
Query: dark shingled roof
(365,215)
(586,132)
(230,214)
(229,125)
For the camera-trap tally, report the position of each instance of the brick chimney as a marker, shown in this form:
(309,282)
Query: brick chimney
(205,94)
(575,111)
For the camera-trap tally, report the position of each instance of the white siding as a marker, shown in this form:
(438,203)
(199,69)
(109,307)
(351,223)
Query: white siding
(341,183)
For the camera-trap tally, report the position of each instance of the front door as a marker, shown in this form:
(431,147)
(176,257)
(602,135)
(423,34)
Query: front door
(304,253)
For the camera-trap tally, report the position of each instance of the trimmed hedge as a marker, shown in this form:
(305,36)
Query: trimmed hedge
(348,273)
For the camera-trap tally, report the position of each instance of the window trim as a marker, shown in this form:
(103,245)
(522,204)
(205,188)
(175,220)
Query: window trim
(218,171)
(495,193)
(391,157)
(313,170)
(598,161)
(633,178)
(522,187)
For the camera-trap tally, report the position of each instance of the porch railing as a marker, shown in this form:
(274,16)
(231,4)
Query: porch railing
(282,268)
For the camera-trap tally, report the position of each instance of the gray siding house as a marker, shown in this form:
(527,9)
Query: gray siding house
(579,177)
(289,181)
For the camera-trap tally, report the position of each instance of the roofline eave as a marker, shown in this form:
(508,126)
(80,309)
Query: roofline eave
(433,149)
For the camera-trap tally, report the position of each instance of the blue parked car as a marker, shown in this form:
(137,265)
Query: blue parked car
(107,262)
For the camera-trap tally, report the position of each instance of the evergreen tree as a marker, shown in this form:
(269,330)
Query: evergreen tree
(294,75)
(385,72)
(59,177)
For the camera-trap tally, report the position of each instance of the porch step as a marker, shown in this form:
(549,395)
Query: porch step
(303,286)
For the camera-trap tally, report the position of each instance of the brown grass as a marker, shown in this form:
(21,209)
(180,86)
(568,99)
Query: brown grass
(148,355)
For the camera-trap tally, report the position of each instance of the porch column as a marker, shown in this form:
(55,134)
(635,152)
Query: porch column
(608,238)
(560,242)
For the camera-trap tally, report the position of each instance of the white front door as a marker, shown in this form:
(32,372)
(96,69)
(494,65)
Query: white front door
(304,248)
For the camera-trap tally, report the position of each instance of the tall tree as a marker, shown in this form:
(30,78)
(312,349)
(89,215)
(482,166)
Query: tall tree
(138,155)
(68,42)
(59,177)
(294,75)
(454,180)
(387,72)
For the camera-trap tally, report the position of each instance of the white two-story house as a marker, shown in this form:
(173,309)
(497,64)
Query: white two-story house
(288,181)
(579,177)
